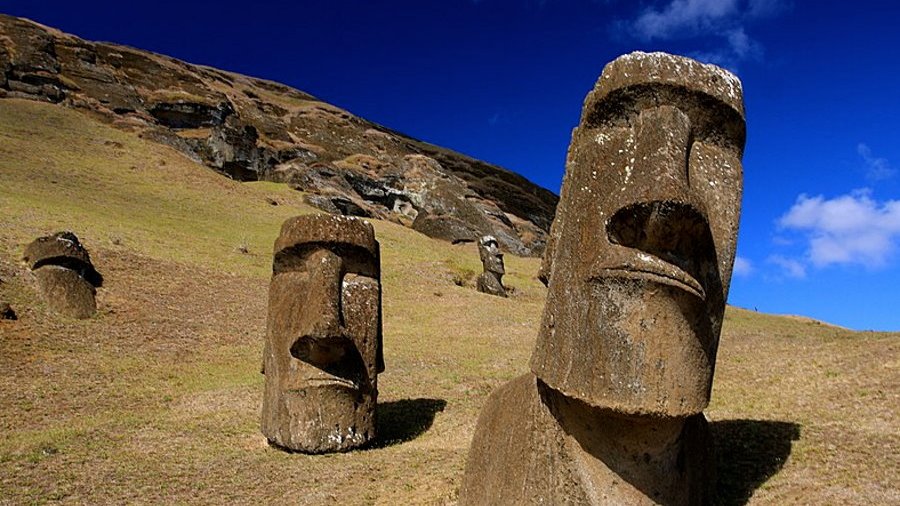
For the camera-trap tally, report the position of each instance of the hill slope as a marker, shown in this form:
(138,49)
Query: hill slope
(252,129)
(156,399)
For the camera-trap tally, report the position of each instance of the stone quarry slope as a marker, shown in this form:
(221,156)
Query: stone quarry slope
(252,129)
(156,399)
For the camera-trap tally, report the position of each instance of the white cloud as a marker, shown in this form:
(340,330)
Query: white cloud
(742,267)
(721,19)
(877,168)
(742,45)
(849,229)
(789,267)
(683,16)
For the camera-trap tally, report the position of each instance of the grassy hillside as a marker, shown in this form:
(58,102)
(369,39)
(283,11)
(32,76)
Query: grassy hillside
(156,399)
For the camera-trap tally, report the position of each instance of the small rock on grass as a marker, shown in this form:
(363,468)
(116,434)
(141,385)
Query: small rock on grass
(7,312)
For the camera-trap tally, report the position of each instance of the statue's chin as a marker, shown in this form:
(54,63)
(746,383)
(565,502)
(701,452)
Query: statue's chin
(637,346)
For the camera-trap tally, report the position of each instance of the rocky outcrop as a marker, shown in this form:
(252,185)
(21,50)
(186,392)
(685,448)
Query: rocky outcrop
(251,129)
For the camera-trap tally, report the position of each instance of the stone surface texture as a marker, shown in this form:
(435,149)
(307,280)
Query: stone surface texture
(252,129)
(638,266)
(7,312)
(65,274)
(490,281)
(323,348)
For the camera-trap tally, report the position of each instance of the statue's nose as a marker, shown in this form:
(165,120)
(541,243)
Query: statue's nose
(322,341)
(324,305)
(661,216)
(662,152)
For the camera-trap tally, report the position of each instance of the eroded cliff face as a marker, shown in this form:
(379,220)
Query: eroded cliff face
(251,129)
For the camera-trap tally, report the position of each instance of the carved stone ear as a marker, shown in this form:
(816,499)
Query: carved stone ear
(550,250)
(547,262)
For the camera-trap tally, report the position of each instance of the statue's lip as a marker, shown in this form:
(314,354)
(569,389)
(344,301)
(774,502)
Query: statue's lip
(326,381)
(649,268)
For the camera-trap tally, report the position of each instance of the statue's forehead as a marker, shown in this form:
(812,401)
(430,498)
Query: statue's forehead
(323,231)
(711,98)
(660,70)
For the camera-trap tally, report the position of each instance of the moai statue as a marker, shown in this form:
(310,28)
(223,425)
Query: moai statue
(323,341)
(640,260)
(492,261)
(65,274)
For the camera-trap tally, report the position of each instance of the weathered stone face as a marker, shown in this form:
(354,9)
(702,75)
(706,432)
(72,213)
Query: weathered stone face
(638,262)
(323,343)
(490,281)
(65,274)
(491,257)
(642,246)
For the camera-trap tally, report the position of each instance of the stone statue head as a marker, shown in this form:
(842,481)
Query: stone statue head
(491,257)
(323,343)
(65,274)
(642,246)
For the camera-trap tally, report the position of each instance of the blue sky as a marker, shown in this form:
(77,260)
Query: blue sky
(503,80)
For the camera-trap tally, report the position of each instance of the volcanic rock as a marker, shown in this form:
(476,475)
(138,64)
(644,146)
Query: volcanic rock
(251,129)
(65,274)
(323,348)
(7,312)
(638,264)
(490,281)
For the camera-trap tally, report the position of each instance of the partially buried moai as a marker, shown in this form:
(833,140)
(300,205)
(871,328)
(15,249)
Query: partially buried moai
(492,261)
(323,342)
(65,274)
(639,262)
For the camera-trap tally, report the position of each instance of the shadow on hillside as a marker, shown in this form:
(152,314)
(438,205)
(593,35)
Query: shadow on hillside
(405,420)
(749,452)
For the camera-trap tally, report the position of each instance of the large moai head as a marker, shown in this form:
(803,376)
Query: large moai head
(643,242)
(65,274)
(323,342)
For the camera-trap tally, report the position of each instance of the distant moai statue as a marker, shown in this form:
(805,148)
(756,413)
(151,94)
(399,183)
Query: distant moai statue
(638,263)
(323,348)
(65,274)
(492,260)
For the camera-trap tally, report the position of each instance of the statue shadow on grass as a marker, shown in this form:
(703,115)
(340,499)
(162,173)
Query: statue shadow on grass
(405,420)
(749,452)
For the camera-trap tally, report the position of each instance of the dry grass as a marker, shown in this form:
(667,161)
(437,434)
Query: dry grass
(156,399)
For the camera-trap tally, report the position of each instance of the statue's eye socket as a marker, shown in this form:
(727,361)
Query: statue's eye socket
(361,265)
(292,259)
(302,257)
